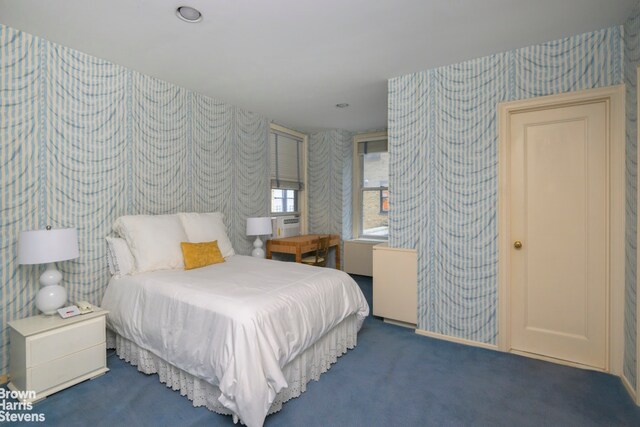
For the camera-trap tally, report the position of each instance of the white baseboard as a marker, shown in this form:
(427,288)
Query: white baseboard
(399,323)
(557,361)
(456,339)
(630,389)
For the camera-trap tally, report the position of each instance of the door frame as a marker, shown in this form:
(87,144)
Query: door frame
(614,96)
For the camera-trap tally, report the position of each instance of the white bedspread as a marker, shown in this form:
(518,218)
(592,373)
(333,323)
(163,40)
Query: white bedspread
(234,324)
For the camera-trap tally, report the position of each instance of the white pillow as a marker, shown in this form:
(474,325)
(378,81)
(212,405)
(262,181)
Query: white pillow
(119,257)
(207,227)
(154,240)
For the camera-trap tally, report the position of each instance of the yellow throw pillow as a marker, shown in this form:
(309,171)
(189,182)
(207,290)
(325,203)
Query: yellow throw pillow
(198,255)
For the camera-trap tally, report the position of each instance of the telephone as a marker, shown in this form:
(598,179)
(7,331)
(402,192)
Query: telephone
(84,307)
(81,307)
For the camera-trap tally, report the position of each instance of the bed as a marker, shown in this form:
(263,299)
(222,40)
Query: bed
(240,337)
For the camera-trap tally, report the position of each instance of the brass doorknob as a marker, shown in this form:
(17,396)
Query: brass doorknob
(517,244)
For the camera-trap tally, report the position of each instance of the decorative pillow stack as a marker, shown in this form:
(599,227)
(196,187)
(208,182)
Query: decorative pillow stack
(154,242)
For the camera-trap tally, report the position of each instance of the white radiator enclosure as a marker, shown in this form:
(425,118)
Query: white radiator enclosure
(358,256)
(395,284)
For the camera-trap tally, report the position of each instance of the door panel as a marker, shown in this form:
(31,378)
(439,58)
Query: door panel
(558,209)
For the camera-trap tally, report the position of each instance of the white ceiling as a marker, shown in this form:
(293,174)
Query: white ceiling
(293,60)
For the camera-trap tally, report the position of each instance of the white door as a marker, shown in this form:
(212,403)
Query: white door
(558,228)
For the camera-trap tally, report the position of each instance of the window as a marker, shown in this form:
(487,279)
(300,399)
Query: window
(283,201)
(371,189)
(287,171)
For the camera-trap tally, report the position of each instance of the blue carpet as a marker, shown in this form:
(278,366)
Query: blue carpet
(392,378)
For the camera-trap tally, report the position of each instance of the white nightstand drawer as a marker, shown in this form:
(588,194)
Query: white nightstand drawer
(52,345)
(66,368)
(49,354)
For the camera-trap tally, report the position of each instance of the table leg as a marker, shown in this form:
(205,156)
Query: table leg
(268,253)
(298,254)
(338,256)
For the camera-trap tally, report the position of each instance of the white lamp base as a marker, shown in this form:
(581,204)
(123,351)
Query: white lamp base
(51,295)
(257,251)
(51,275)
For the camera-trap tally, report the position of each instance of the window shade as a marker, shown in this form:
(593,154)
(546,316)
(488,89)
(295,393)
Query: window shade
(286,161)
(366,147)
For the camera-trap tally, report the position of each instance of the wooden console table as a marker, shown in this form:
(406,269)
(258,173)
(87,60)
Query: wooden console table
(299,245)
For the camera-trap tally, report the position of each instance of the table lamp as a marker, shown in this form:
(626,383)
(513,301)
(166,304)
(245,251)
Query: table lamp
(47,247)
(258,227)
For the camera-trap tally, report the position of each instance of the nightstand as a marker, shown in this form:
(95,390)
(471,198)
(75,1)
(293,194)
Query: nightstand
(49,353)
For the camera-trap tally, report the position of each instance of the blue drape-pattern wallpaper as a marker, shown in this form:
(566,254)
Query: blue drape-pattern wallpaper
(329,176)
(444,173)
(631,62)
(83,141)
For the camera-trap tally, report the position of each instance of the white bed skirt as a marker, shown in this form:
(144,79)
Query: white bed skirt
(308,366)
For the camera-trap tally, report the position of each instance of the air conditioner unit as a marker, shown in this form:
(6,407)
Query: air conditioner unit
(285,226)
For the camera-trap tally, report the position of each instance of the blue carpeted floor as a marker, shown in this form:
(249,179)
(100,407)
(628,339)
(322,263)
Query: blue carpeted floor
(392,378)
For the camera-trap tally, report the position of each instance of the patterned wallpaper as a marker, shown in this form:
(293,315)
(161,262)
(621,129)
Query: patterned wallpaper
(631,61)
(329,175)
(443,167)
(83,141)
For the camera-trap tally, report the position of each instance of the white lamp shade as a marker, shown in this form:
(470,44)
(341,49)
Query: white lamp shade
(44,246)
(258,226)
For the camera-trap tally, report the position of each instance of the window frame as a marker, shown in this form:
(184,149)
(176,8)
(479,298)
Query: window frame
(301,195)
(358,189)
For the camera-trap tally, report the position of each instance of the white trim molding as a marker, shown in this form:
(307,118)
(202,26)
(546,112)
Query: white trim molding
(456,339)
(614,96)
(627,385)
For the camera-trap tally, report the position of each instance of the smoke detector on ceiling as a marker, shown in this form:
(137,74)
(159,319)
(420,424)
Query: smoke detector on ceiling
(189,14)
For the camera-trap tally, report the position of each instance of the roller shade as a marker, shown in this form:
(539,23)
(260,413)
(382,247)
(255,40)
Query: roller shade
(286,161)
(366,147)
